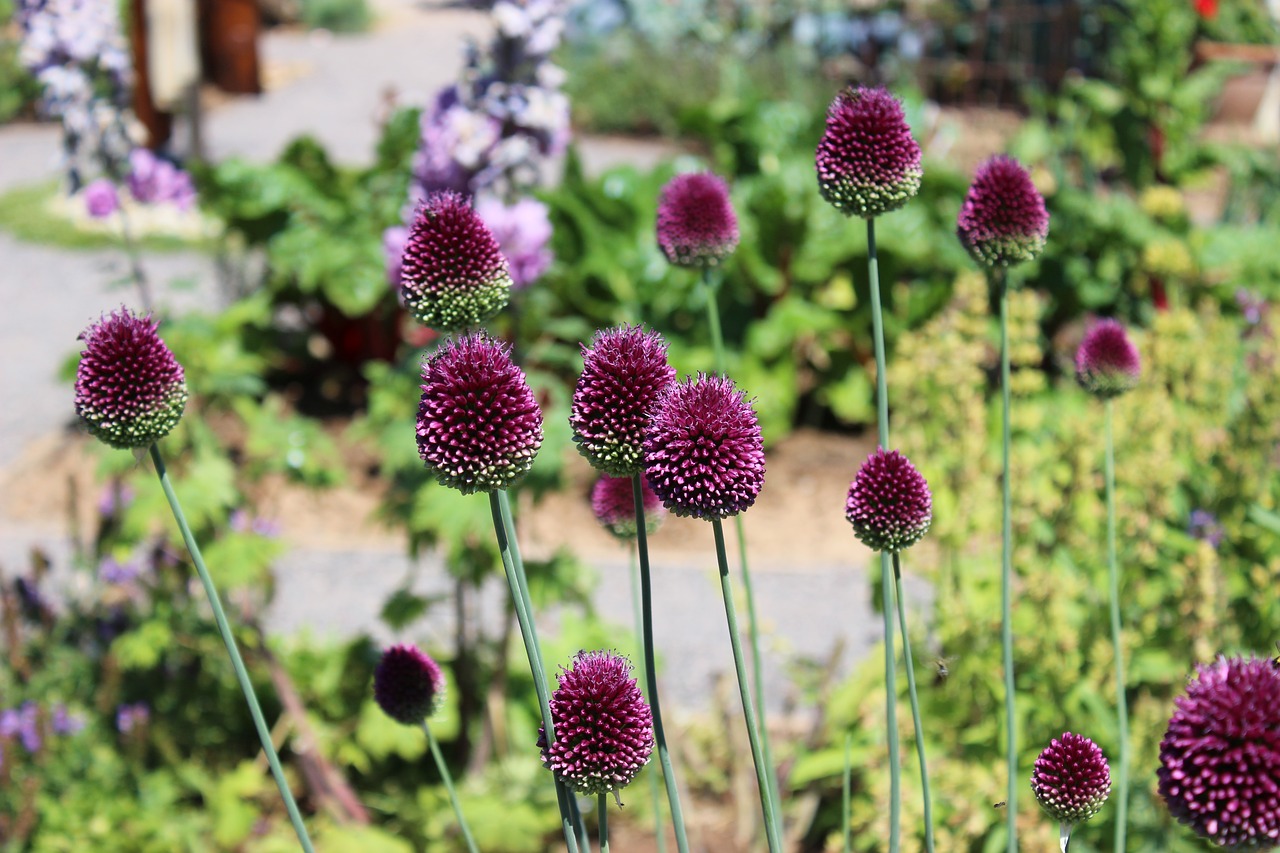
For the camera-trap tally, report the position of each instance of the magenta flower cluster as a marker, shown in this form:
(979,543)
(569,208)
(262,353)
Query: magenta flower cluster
(1107,363)
(613,502)
(867,161)
(1003,220)
(697,225)
(1071,779)
(408,685)
(889,504)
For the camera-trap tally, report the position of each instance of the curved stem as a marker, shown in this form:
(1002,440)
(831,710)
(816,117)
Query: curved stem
(237,663)
(915,704)
(1117,639)
(1006,575)
(448,786)
(602,809)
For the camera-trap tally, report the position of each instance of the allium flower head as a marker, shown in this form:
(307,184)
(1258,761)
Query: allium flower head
(696,222)
(479,426)
(1071,779)
(130,390)
(453,275)
(613,503)
(889,503)
(408,685)
(604,729)
(1220,758)
(704,454)
(1107,363)
(624,374)
(1003,220)
(868,163)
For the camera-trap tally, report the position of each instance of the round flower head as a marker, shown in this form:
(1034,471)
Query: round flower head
(867,162)
(1220,758)
(696,222)
(624,374)
(889,504)
(704,455)
(1107,363)
(453,275)
(1071,779)
(614,505)
(1003,220)
(130,390)
(479,426)
(604,729)
(408,685)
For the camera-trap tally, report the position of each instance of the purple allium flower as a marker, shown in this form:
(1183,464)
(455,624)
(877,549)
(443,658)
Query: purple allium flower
(1071,779)
(613,503)
(1003,220)
(604,729)
(100,198)
(131,718)
(523,232)
(479,426)
(696,222)
(867,162)
(408,685)
(130,390)
(1205,525)
(889,503)
(1220,757)
(1107,363)
(624,374)
(704,454)
(454,275)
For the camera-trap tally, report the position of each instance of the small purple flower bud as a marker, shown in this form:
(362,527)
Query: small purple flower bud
(1107,363)
(408,685)
(624,374)
(1220,757)
(1071,779)
(64,722)
(479,426)
(130,390)
(604,729)
(613,503)
(1003,220)
(100,198)
(704,454)
(867,162)
(889,503)
(1204,525)
(696,222)
(453,273)
(131,718)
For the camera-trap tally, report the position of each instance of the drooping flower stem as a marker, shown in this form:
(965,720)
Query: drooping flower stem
(659,836)
(242,675)
(846,780)
(448,786)
(915,705)
(602,809)
(999,281)
(651,669)
(753,731)
(1113,572)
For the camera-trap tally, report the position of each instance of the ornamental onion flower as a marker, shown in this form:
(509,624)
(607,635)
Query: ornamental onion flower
(408,685)
(1003,220)
(867,162)
(130,390)
(604,728)
(479,426)
(696,225)
(453,275)
(613,503)
(889,504)
(1071,779)
(1220,757)
(1107,363)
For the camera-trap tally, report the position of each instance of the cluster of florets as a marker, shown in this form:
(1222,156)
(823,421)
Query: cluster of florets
(1071,779)
(613,502)
(696,225)
(889,504)
(1003,220)
(1107,363)
(868,163)
(408,685)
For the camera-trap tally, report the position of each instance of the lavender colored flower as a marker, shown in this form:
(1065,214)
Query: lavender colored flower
(394,240)
(613,503)
(454,275)
(889,504)
(1252,306)
(604,728)
(100,198)
(112,571)
(624,374)
(132,717)
(64,722)
(1071,779)
(1107,363)
(1220,757)
(28,726)
(408,685)
(523,232)
(696,222)
(153,180)
(867,162)
(130,390)
(1003,220)
(1204,525)
(114,498)
(479,426)
(704,454)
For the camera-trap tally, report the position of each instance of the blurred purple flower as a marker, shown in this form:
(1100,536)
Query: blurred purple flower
(1205,525)
(523,231)
(153,180)
(1251,305)
(132,717)
(114,497)
(64,722)
(242,522)
(22,722)
(112,571)
(393,243)
(100,198)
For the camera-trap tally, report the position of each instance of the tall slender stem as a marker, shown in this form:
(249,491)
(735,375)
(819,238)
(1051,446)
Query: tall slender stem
(136,271)
(237,663)
(651,668)
(448,786)
(1006,577)
(1064,836)
(1113,572)
(753,732)
(602,809)
(846,786)
(659,836)
(915,704)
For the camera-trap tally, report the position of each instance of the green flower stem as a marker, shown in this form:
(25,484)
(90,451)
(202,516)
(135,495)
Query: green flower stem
(1000,282)
(602,808)
(846,780)
(575,814)
(504,529)
(1122,707)
(448,786)
(651,668)
(1064,836)
(242,675)
(915,704)
(753,732)
(659,836)
(886,580)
